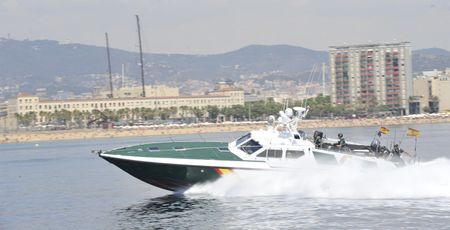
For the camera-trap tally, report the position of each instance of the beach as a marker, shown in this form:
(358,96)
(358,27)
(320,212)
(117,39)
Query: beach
(152,130)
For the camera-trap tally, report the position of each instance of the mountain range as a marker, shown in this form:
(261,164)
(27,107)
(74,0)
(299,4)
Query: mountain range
(32,64)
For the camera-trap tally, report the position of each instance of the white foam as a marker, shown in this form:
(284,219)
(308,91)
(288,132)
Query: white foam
(425,180)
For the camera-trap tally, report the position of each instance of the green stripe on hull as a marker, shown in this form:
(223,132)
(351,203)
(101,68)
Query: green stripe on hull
(185,150)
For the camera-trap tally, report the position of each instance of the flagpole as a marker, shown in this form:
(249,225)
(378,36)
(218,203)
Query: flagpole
(401,140)
(395,136)
(415,147)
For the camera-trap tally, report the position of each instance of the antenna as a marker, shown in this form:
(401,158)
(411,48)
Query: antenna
(323,79)
(109,67)
(140,54)
(311,75)
(123,76)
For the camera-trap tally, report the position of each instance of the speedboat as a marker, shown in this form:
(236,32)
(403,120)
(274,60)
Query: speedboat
(177,166)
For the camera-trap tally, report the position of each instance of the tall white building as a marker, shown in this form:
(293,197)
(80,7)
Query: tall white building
(368,75)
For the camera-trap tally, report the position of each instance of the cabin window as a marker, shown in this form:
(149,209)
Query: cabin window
(223,149)
(243,139)
(263,154)
(250,146)
(294,154)
(274,153)
(302,134)
(153,149)
(324,158)
(179,148)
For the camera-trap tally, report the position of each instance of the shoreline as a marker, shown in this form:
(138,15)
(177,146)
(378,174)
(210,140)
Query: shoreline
(80,134)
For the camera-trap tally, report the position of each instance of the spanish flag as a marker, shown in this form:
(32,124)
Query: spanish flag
(412,132)
(384,130)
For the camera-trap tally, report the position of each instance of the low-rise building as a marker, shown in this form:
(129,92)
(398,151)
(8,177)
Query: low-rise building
(3,115)
(25,103)
(431,92)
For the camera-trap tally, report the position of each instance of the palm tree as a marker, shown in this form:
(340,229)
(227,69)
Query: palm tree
(86,117)
(78,118)
(213,112)
(20,119)
(148,114)
(124,113)
(135,114)
(183,110)
(63,116)
(111,115)
(26,119)
(164,113)
(44,116)
(173,111)
(235,112)
(198,112)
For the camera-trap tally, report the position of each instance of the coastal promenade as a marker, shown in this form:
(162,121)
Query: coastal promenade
(77,134)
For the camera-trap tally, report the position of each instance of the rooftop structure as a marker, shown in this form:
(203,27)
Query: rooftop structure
(135,92)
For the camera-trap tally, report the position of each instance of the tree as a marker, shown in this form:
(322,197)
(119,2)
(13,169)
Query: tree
(124,113)
(111,115)
(235,112)
(213,112)
(173,110)
(78,118)
(62,117)
(86,117)
(21,121)
(164,113)
(183,110)
(148,114)
(27,119)
(44,116)
(198,112)
(135,114)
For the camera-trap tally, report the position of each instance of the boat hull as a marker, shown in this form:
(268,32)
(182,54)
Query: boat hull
(176,178)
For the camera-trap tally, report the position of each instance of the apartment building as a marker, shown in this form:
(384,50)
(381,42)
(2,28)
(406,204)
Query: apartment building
(368,75)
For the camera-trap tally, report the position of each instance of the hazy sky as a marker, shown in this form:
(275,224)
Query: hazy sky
(214,26)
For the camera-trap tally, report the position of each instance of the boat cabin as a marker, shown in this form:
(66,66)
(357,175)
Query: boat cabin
(270,145)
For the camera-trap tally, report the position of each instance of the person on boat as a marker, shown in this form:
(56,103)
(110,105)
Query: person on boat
(318,139)
(375,146)
(341,142)
(384,153)
(396,153)
(318,142)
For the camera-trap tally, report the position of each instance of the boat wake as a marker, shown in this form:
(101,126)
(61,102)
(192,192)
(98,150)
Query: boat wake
(425,180)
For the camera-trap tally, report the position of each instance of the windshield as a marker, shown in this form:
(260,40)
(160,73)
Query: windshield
(250,146)
(243,139)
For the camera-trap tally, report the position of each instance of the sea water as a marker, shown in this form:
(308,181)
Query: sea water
(62,185)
